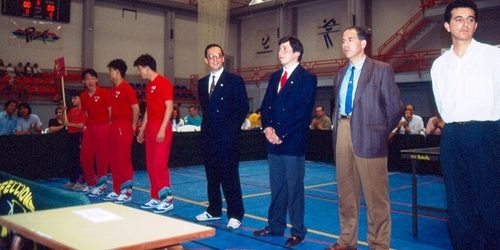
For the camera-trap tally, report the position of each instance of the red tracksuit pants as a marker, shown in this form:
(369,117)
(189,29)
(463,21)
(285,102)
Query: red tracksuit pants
(95,144)
(157,155)
(121,136)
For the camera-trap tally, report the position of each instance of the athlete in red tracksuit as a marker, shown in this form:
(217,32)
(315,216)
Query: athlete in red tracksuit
(97,106)
(124,115)
(156,130)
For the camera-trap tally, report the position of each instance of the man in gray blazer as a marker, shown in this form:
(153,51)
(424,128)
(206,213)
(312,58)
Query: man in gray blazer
(367,108)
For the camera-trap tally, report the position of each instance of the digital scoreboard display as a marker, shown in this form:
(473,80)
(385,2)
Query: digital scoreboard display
(50,10)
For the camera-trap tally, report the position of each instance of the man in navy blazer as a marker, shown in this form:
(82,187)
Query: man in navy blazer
(224,103)
(286,114)
(361,126)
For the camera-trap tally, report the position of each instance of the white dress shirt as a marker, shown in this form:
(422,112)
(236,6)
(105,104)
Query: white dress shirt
(468,88)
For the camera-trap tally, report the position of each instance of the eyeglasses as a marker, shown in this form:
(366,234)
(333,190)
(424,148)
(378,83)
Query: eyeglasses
(213,56)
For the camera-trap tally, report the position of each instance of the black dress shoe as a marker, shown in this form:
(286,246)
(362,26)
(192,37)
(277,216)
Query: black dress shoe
(262,232)
(293,241)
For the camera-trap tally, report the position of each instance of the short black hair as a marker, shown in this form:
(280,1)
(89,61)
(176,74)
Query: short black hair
(76,92)
(120,65)
(211,46)
(294,43)
(459,4)
(146,60)
(90,72)
(24,105)
(363,32)
(8,103)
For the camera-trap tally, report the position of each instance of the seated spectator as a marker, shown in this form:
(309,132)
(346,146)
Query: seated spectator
(19,70)
(37,72)
(27,123)
(255,121)
(321,121)
(410,125)
(435,125)
(412,109)
(193,118)
(28,71)
(176,119)
(2,68)
(56,125)
(10,70)
(7,120)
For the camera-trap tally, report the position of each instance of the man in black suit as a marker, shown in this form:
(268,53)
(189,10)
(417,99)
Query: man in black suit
(224,103)
(286,115)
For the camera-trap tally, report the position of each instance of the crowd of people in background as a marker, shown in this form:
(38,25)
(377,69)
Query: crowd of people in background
(21,70)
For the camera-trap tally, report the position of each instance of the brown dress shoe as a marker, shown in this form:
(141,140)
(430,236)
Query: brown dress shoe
(262,232)
(336,246)
(293,241)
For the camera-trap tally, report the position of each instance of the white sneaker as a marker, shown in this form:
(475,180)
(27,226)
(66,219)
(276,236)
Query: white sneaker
(233,223)
(97,191)
(111,197)
(123,198)
(151,204)
(86,190)
(206,216)
(165,205)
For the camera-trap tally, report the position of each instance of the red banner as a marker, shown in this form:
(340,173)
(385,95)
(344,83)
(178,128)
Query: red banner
(60,67)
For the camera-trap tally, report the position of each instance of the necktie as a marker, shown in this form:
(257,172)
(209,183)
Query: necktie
(283,80)
(212,86)
(348,96)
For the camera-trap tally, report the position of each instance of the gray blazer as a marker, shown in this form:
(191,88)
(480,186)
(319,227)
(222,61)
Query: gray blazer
(377,109)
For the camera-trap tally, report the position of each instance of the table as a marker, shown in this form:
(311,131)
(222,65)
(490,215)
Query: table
(103,226)
(417,155)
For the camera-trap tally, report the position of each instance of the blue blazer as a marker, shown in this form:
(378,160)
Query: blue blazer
(377,109)
(289,112)
(223,113)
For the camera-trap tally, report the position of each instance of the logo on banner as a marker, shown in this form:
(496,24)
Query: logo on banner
(35,34)
(15,198)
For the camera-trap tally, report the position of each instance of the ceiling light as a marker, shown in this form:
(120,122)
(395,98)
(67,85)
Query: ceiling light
(254,2)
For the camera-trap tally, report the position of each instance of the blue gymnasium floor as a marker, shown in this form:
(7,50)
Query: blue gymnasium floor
(190,199)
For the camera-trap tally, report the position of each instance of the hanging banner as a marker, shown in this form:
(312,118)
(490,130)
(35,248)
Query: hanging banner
(35,34)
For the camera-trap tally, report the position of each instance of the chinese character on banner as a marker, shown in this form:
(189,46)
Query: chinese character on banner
(59,67)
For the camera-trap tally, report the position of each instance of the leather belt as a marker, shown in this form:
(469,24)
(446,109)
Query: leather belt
(468,122)
(345,116)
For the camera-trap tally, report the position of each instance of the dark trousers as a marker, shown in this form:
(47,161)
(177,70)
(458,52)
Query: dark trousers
(221,169)
(74,167)
(470,161)
(286,177)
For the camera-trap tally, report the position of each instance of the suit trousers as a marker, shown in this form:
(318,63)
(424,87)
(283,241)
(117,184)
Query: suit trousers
(286,176)
(370,174)
(470,161)
(221,169)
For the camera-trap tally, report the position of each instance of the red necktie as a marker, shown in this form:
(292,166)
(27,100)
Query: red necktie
(283,80)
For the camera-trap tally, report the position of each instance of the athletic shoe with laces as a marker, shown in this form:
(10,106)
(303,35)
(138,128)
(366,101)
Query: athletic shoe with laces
(79,186)
(206,216)
(86,190)
(123,198)
(111,197)
(97,191)
(165,205)
(151,204)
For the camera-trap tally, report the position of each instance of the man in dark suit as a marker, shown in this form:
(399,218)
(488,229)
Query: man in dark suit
(224,103)
(286,115)
(367,108)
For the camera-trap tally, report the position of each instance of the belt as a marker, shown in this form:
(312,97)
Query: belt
(464,123)
(345,116)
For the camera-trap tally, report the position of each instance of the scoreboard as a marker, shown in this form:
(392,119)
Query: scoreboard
(50,10)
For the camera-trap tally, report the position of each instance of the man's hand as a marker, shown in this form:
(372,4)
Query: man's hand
(271,136)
